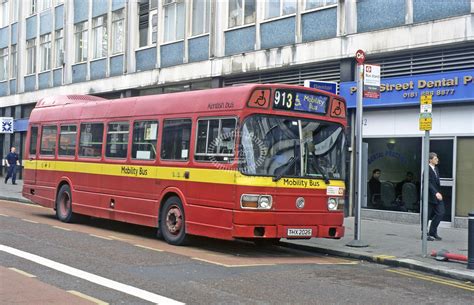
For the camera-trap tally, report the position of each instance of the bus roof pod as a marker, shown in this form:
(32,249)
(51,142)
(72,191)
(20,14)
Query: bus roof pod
(57,100)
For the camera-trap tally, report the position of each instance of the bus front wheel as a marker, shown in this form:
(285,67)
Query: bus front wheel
(172,222)
(64,205)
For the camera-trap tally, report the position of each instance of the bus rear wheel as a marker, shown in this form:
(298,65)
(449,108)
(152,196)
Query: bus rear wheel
(173,222)
(64,205)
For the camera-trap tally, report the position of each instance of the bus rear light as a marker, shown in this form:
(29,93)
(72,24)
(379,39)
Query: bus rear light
(260,202)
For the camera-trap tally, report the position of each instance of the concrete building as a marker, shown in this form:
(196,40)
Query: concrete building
(118,48)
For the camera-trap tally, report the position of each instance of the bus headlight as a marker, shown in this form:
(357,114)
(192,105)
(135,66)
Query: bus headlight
(251,201)
(336,204)
(332,204)
(265,202)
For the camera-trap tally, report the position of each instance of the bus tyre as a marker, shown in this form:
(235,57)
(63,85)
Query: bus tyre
(172,222)
(64,205)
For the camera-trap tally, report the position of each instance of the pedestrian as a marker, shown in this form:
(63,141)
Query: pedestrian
(12,163)
(374,188)
(436,207)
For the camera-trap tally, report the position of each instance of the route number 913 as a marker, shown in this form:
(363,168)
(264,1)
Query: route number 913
(284,99)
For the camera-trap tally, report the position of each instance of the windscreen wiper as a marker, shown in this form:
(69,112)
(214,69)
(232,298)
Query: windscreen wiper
(288,165)
(322,172)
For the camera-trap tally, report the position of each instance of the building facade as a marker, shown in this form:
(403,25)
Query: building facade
(119,48)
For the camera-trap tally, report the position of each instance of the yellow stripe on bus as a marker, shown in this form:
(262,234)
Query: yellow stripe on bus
(177,173)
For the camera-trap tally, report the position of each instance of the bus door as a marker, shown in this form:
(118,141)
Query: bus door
(31,161)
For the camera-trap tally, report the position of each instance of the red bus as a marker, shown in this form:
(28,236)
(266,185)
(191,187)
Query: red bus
(258,162)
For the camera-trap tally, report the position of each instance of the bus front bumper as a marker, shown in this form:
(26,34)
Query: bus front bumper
(287,231)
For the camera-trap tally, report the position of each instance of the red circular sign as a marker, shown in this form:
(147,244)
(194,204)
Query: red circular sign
(360,56)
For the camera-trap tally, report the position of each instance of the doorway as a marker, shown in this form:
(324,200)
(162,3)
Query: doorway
(445,149)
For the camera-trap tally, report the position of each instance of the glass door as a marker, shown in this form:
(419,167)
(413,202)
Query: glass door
(444,147)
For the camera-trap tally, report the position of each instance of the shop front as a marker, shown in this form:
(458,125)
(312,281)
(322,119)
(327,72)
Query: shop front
(395,144)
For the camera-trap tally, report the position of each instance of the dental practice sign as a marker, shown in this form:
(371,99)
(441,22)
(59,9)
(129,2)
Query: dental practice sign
(446,87)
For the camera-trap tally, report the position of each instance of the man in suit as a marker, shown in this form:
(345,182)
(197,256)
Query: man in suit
(436,208)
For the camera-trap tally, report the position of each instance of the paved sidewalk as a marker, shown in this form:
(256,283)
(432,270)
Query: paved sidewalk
(390,243)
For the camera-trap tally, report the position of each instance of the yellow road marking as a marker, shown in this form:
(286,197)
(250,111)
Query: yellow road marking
(61,228)
(230,266)
(27,220)
(102,237)
(434,279)
(149,248)
(381,258)
(4,215)
(22,272)
(89,298)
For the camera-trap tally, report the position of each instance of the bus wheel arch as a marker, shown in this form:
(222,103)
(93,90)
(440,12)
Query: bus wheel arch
(63,203)
(172,220)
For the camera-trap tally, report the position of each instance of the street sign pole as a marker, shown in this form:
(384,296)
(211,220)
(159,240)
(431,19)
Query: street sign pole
(426,103)
(424,233)
(357,242)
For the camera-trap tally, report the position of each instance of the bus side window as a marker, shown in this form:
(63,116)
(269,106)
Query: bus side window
(33,139)
(215,140)
(67,140)
(175,139)
(48,140)
(145,134)
(91,139)
(117,140)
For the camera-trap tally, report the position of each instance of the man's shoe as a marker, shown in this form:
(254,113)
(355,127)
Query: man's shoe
(14,183)
(428,238)
(437,237)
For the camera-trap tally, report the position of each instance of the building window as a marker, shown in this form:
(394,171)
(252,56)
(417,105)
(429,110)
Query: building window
(45,4)
(117,140)
(13,60)
(99,36)
(241,12)
(174,19)
(148,23)
(58,48)
(3,64)
(45,52)
(201,13)
(276,8)
(31,56)
(67,140)
(80,36)
(310,4)
(118,19)
(3,13)
(175,139)
(145,134)
(33,7)
(90,144)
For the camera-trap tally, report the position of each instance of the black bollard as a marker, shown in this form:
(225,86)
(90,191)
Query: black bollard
(470,242)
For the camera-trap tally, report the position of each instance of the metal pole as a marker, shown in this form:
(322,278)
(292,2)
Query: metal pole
(357,225)
(470,242)
(424,225)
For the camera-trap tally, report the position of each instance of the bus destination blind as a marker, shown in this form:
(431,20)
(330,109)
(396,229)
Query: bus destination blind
(300,101)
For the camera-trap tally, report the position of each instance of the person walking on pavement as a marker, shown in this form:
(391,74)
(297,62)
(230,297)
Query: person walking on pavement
(436,207)
(12,162)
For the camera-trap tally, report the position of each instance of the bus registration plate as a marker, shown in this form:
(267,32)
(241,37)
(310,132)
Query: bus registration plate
(299,232)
